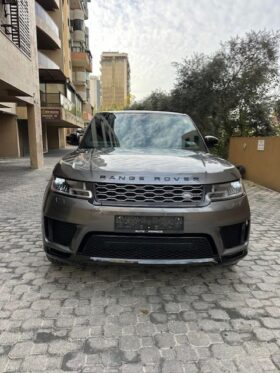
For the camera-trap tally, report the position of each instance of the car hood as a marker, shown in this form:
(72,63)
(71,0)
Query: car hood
(145,166)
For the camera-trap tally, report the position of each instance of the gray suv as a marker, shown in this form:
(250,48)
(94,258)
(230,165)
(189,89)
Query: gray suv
(143,188)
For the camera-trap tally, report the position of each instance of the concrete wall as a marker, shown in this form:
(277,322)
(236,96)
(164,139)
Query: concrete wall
(56,137)
(15,67)
(66,35)
(62,56)
(9,145)
(53,138)
(262,166)
(62,137)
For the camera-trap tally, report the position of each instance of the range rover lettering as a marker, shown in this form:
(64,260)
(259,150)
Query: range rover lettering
(143,188)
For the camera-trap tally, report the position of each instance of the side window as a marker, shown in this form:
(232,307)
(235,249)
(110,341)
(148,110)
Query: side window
(100,134)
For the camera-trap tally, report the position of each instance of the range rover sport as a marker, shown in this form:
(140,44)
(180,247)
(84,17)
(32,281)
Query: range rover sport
(143,188)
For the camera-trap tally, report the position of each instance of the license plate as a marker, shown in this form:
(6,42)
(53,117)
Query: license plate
(150,224)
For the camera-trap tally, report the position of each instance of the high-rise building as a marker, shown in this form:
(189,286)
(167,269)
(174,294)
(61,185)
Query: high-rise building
(61,104)
(95,92)
(37,36)
(115,80)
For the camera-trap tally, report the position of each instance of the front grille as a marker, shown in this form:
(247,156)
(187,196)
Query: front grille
(147,247)
(149,194)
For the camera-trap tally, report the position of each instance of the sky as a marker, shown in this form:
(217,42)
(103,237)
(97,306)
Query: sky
(156,33)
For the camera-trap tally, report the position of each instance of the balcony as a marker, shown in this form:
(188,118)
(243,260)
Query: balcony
(80,4)
(82,59)
(80,78)
(48,70)
(58,110)
(49,5)
(16,72)
(47,30)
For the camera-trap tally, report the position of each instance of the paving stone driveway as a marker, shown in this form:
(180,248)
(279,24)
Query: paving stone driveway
(133,319)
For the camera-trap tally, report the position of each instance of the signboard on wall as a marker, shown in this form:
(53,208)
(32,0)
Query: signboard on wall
(50,114)
(261,145)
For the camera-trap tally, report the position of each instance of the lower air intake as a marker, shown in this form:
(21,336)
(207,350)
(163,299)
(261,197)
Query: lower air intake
(147,247)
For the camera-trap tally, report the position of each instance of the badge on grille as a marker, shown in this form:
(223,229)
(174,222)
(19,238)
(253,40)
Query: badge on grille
(187,196)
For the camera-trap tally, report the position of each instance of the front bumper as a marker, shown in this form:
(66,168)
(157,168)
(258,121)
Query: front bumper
(85,219)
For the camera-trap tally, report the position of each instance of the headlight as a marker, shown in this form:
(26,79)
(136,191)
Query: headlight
(220,192)
(71,188)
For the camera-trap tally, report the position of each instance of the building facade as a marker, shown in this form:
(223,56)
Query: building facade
(19,80)
(48,55)
(115,80)
(81,55)
(95,92)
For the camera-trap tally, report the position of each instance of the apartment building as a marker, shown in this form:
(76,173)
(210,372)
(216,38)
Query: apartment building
(50,60)
(115,80)
(95,92)
(61,104)
(19,79)
(81,55)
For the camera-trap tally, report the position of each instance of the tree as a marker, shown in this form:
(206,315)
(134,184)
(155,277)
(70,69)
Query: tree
(230,93)
(158,101)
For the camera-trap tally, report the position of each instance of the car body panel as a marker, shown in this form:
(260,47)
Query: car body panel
(145,166)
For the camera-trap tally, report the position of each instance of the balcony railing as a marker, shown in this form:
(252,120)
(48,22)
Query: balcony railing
(80,4)
(81,58)
(41,13)
(15,23)
(59,100)
(46,63)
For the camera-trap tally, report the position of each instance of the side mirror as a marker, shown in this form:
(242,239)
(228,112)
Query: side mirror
(211,141)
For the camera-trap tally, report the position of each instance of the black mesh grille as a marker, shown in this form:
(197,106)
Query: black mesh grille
(59,232)
(149,194)
(147,247)
(234,235)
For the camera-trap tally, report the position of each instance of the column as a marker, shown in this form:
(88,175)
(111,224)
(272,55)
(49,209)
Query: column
(35,136)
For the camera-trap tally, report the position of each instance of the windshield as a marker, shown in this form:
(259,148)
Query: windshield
(142,130)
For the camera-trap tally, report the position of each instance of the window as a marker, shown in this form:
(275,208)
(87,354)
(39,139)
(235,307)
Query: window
(78,24)
(145,130)
(55,88)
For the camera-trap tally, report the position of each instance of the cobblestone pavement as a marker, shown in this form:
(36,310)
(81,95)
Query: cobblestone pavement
(133,319)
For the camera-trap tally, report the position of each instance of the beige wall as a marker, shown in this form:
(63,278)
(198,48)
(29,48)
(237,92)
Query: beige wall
(18,73)
(56,137)
(262,166)
(9,145)
(45,138)
(65,40)
(62,137)
(53,139)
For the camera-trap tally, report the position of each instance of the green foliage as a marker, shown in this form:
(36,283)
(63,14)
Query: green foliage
(231,93)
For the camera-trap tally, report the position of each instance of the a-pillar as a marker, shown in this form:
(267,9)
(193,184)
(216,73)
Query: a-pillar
(35,136)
